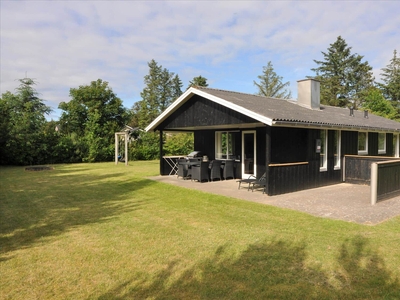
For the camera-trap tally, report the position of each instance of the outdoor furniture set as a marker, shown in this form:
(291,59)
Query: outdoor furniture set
(197,169)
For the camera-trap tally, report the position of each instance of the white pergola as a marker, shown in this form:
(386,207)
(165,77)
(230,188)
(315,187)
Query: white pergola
(118,136)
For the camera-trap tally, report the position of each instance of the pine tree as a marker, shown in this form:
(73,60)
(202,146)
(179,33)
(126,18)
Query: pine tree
(271,84)
(25,121)
(343,76)
(391,79)
(198,81)
(162,88)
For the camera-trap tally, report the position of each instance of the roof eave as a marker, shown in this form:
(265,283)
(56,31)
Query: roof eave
(331,126)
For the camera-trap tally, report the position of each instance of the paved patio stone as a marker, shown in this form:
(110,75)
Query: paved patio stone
(347,202)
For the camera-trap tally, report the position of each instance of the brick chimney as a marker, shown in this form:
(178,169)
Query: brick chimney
(308,93)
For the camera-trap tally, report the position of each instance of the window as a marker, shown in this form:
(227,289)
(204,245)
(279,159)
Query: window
(362,143)
(225,144)
(336,150)
(323,154)
(381,143)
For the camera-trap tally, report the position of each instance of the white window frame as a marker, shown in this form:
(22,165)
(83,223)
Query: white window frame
(396,145)
(363,152)
(382,151)
(324,142)
(339,145)
(218,143)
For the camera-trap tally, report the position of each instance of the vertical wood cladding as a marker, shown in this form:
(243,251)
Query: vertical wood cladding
(288,144)
(389,144)
(198,111)
(204,141)
(260,150)
(349,143)
(388,178)
(373,143)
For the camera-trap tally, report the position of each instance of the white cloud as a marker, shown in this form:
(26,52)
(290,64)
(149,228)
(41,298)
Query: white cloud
(66,44)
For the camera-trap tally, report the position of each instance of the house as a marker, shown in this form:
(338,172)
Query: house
(298,144)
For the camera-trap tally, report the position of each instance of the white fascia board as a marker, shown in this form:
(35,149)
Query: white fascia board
(185,96)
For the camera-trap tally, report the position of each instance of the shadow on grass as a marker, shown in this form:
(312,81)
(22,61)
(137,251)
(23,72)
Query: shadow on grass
(47,204)
(275,270)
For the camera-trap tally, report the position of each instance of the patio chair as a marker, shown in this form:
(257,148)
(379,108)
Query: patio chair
(192,162)
(261,182)
(183,168)
(199,172)
(250,180)
(228,170)
(215,170)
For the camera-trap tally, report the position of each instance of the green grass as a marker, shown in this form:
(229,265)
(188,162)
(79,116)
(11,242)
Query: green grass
(100,231)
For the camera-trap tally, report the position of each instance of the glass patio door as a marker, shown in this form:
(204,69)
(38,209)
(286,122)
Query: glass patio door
(248,153)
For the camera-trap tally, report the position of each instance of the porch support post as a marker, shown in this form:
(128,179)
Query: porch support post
(161,153)
(126,148)
(116,148)
(374,183)
(267,157)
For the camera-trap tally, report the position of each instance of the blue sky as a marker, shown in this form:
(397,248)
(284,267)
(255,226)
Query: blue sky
(65,44)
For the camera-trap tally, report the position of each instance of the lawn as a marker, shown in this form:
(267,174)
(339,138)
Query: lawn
(101,231)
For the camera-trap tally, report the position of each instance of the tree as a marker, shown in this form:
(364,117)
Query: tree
(271,84)
(162,88)
(391,79)
(198,81)
(343,76)
(24,122)
(376,103)
(93,114)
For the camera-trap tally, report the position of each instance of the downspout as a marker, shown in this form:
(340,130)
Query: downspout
(267,158)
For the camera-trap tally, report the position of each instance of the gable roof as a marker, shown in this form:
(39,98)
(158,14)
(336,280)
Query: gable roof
(282,112)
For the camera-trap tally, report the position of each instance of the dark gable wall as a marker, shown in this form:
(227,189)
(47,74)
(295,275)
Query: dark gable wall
(198,111)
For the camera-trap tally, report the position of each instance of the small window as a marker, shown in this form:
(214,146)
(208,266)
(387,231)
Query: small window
(336,150)
(323,154)
(363,143)
(381,143)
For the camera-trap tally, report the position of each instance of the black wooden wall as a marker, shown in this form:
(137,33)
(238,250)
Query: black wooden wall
(202,112)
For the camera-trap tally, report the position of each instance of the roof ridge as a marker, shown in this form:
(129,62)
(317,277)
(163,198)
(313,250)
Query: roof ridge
(242,93)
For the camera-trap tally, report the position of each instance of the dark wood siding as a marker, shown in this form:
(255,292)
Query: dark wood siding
(373,143)
(388,178)
(287,179)
(198,111)
(358,168)
(204,141)
(260,150)
(288,144)
(389,144)
(349,143)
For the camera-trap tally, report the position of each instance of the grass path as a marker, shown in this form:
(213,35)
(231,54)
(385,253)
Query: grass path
(100,231)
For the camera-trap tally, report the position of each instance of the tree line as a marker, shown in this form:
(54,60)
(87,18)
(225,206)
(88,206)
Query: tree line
(88,122)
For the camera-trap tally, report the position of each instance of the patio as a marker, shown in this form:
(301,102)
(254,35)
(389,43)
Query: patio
(347,202)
